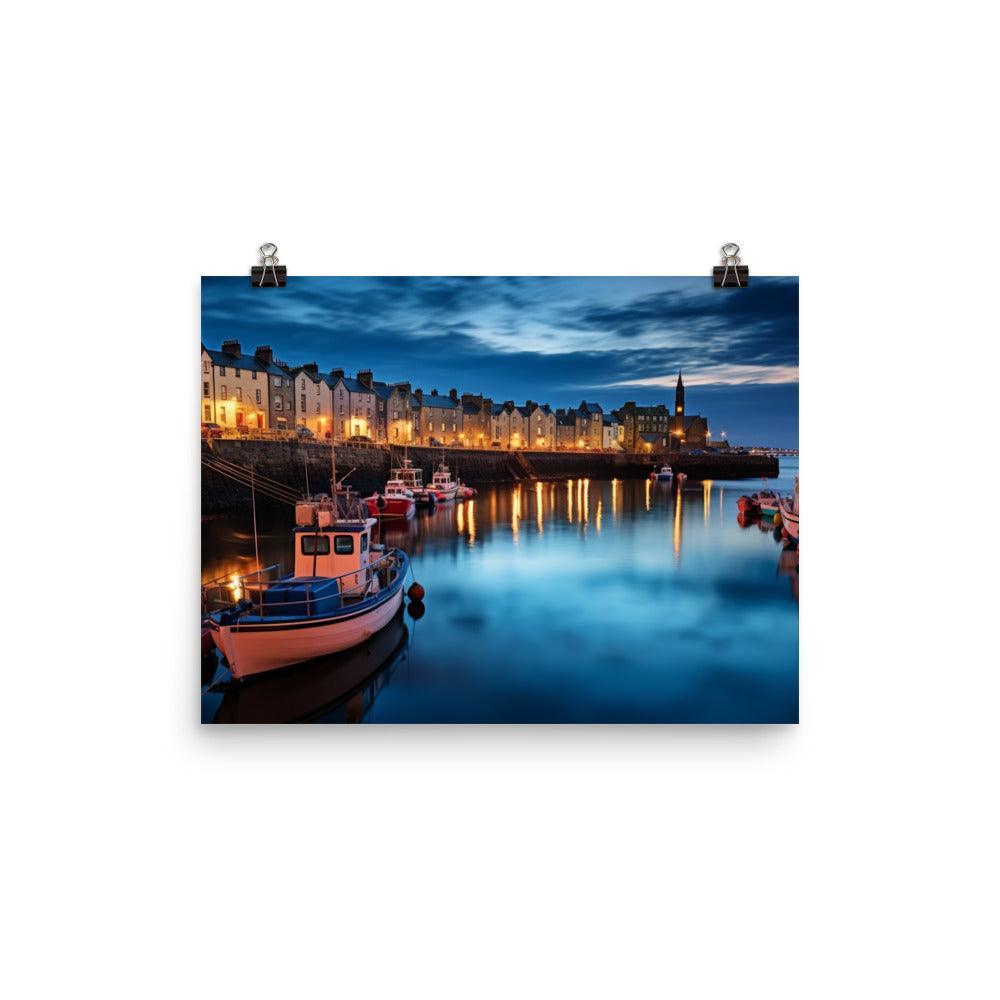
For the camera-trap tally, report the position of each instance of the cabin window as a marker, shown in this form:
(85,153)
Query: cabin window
(316,545)
(343,545)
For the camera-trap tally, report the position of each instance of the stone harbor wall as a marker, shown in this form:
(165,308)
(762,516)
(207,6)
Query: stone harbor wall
(297,464)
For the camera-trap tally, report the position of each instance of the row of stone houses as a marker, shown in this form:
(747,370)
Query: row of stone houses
(257,392)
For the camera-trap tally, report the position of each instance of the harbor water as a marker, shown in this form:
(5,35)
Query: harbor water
(566,601)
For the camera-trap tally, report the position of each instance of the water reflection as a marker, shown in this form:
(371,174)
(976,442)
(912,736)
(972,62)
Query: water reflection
(339,688)
(530,616)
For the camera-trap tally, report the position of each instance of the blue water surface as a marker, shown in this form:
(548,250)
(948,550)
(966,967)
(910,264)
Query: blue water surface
(568,601)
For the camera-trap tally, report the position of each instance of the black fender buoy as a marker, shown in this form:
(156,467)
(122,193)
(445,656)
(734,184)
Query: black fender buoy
(415,609)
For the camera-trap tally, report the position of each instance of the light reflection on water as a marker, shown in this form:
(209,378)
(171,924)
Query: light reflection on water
(576,601)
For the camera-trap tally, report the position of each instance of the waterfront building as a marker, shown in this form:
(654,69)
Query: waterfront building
(565,428)
(611,432)
(280,390)
(393,412)
(354,404)
(589,425)
(234,390)
(313,400)
(501,423)
(637,421)
(477,420)
(436,417)
(542,425)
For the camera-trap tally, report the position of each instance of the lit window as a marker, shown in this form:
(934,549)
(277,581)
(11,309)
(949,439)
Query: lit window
(258,395)
(204,389)
(208,413)
(239,394)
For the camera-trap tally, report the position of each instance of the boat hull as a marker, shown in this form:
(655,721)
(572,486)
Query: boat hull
(258,647)
(446,493)
(664,477)
(790,522)
(396,508)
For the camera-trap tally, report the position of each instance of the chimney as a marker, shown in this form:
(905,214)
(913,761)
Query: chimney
(403,387)
(530,405)
(454,394)
(312,368)
(365,378)
(264,355)
(231,347)
(419,393)
(336,372)
(434,392)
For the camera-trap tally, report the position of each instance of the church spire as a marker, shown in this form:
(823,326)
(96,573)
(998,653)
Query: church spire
(679,395)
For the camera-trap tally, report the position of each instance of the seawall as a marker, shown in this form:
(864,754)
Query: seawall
(299,465)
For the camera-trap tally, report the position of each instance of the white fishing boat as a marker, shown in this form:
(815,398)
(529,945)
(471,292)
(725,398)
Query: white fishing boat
(412,479)
(343,590)
(663,475)
(789,507)
(442,485)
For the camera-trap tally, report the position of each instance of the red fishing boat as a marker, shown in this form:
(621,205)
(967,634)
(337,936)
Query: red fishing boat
(395,502)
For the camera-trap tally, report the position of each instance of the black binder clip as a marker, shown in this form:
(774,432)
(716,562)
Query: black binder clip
(731,273)
(268,274)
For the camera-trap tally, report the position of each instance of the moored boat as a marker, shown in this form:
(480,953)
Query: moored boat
(664,474)
(442,485)
(343,590)
(790,513)
(413,479)
(397,502)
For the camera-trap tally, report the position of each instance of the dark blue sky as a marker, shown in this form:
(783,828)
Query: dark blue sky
(555,340)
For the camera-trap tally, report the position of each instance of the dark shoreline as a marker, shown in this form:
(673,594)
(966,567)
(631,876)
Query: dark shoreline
(288,462)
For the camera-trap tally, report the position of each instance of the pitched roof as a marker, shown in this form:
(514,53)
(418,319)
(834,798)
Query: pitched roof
(587,408)
(246,362)
(438,402)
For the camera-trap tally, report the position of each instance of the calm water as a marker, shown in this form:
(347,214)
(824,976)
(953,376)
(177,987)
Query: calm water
(569,601)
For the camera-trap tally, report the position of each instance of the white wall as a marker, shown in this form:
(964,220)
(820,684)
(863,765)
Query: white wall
(851,856)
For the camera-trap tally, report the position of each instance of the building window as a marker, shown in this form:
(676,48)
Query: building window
(237,372)
(278,403)
(258,397)
(277,381)
(205,367)
(253,375)
(222,369)
(239,395)
(317,407)
(208,412)
(204,389)
(302,403)
(395,430)
(225,392)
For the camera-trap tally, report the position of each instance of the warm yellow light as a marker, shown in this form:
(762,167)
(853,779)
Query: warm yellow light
(235,586)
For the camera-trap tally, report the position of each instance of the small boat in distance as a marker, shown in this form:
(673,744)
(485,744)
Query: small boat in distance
(442,485)
(397,502)
(663,475)
(413,479)
(343,590)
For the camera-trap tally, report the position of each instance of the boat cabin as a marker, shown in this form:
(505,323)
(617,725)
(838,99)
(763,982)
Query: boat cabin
(442,477)
(397,488)
(411,478)
(328,546)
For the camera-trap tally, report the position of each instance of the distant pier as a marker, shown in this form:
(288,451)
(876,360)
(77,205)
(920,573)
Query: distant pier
(291,462)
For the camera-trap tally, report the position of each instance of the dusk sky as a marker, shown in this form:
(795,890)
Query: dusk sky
(554,340)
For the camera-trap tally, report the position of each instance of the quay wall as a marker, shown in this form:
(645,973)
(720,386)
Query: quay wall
(290,462)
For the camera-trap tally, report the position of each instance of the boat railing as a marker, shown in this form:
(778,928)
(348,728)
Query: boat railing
(247,592)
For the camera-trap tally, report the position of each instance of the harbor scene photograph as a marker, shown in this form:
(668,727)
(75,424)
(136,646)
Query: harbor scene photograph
(499,500)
